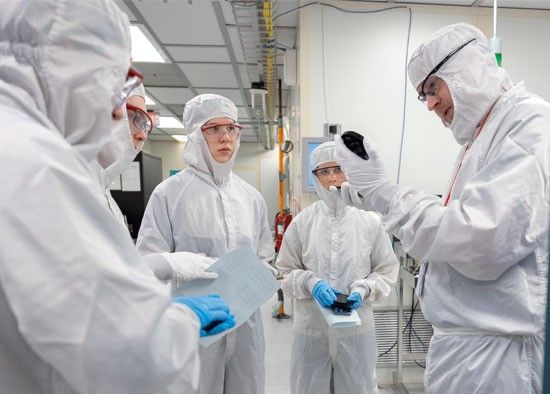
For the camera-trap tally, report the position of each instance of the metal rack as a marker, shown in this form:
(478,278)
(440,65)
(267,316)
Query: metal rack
(408,276)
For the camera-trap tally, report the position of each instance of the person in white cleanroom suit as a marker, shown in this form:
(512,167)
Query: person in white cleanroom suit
(126,141)
(486,242)
(328,248)
(78,312)
(208,209)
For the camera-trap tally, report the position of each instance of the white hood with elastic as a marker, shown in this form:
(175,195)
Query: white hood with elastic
(115,155)
(325,153)
(38,54)
(196,154)
(474,79)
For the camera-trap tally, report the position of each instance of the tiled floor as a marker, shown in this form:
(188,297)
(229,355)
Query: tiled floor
(278,336)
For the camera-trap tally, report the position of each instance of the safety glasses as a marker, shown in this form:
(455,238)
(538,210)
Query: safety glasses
(140,119)
(133,80)
(423,96)
(327,171)
(215,131)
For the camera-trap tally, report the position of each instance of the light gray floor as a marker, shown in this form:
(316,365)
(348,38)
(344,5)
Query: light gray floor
(278,338)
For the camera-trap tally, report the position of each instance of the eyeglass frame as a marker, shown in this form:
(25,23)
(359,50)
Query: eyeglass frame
(206,127)
(314,172)
(422,97)
(133,79)
(130,107)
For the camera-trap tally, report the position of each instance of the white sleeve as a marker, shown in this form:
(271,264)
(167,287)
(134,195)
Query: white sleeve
(69,274)
(297,281)
(266,248)
(155,232)
(495,222)
(384,270)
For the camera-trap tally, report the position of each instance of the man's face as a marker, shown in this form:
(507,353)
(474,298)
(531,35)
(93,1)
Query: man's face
(138,136)
(438,98)
(330,174)
(221,138)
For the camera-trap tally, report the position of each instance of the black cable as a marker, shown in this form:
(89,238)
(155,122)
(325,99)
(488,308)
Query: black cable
(420,365)
(402,332)
(413,307)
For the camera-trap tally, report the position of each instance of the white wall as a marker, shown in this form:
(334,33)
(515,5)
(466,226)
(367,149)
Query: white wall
(254,164)
(352,71)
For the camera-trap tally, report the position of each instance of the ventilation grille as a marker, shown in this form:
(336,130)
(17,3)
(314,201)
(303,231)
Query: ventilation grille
(416,336)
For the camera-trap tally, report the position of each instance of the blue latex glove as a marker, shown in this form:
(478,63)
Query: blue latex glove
(323,293)
(356,300)
(212,311)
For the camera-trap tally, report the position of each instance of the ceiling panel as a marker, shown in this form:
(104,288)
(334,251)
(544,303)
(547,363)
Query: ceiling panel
(165,74)
(178,22)
(198,54)
(541,4)
(232,94)
(177,108)
(171,95)
(210,75)
(161,137)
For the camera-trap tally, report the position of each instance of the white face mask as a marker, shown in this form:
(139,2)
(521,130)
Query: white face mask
(117,154)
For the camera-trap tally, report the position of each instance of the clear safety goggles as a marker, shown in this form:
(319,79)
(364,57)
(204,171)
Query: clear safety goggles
(423,95)
(327,171)
(133,80)
(139,119)
(215,131)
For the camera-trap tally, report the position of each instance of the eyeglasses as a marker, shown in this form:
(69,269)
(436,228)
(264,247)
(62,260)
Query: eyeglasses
(215,131)
(423,96)
(327,171)
(133,80)
(139,119)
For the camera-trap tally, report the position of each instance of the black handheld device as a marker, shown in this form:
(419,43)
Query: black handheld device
(212,325)
(354,142)
(341,306)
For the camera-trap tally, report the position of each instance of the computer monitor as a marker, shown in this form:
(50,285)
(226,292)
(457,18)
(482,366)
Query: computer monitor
(308,145)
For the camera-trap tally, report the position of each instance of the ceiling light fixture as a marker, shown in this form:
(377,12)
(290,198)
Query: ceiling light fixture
(179,138)
(143,48)
(149,101)
(169,122)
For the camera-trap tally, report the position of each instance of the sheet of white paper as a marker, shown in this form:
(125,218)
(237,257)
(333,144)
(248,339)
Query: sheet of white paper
(339,321)
(243,281)
(115,184)
(131,180)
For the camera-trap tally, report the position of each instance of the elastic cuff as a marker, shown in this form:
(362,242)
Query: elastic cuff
(382,196)
(361,290)
(311,283)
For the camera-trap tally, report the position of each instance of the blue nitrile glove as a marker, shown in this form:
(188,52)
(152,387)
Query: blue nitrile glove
(212,311)
(356,300)
(323,293)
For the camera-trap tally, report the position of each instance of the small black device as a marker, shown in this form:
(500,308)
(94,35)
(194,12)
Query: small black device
(212,325)
(341,306)
(354,142)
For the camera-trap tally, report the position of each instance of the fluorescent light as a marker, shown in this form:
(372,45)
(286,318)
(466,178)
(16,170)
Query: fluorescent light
(179,138)
(143,49)
(169,122)
(148,101)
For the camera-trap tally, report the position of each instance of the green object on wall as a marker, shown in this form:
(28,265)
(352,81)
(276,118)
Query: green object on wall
(174,172)
(499,59)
